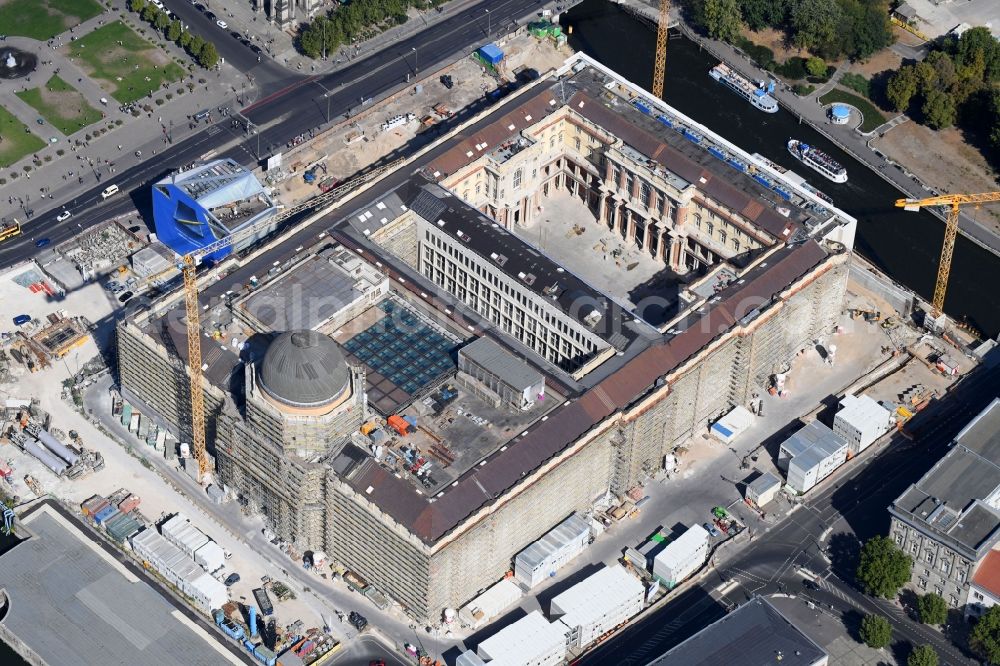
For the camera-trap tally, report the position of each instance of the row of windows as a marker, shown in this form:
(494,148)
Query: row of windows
(453,267)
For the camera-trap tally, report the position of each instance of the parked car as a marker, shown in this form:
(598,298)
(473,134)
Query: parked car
(222,24)
(358,620)
(125,296)
(21,319)
(710,528)
(232,579)
(63,216)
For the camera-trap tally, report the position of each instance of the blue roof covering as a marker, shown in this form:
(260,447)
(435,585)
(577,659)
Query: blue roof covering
(491,53)
(840,111)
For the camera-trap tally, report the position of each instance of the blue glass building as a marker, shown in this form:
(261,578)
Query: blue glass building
(207,201)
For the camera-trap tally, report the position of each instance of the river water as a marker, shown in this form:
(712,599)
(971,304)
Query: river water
(904,245)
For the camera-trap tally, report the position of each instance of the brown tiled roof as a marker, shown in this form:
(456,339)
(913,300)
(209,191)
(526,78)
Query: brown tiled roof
(673,160)
(987,574)
(431,520)
(536,106)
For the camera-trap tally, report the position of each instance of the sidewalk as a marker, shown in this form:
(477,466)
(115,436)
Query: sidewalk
(850,140)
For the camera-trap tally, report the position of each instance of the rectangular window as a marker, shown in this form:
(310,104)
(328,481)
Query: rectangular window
(629,182)
(709,228)
(576,141)
(722,237)
(517,179)
(929,556)
(736,247)
(644,193)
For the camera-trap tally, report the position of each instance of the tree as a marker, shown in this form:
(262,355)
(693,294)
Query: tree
(137,5)
(985,636)
(939,109)
(944,69)
(815,24)
(208,57)
(816,66)
(149,13)
(923,655)
(884,568)
(876,632)
(722,19)
(174,30)
(926,77)
(759,14)
(194,46)
(932,609)
(902,87)
(161,21)
(185,39)
(866,28)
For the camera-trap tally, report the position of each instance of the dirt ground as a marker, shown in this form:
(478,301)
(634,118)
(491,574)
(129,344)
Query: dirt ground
(944,161)
(68,104)
(370,142)
(775,40)
(881,61)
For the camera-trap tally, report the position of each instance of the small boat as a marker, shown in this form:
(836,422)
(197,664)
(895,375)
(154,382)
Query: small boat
(818,161)
(758,94)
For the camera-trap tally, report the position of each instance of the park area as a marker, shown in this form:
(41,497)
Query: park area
(61,105)
(44,19)
(16,140)
(125,64)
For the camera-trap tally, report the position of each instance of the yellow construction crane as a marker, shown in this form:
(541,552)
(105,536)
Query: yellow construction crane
(189,266)
(660,66)
(953,202)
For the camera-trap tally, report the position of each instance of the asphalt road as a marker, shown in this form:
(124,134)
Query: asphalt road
(821,537)
(280,115)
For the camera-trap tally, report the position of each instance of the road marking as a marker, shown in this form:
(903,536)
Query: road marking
(213,130)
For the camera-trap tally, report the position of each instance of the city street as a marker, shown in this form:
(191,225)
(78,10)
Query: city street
(821,538)
(280,115)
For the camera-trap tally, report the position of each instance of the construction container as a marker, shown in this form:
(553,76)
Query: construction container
(122,527)
(412,420)
(490,54)
(130,503)
(105,514)
(126,414)
(133,426)
(367,428)
(95,503)
(210,557)
(400,425)
(265,656)
(180,532)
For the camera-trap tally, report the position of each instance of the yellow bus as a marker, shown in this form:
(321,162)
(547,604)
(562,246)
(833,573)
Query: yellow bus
(10,230)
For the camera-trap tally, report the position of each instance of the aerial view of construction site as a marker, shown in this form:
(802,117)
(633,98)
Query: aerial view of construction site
(464,336)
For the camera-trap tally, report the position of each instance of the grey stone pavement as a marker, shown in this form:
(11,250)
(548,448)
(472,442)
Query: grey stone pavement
(99,159)
(850,140)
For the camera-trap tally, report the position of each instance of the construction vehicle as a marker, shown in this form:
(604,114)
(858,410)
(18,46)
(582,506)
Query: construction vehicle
(189,267)
(954,202)
(660,63)
(867,315)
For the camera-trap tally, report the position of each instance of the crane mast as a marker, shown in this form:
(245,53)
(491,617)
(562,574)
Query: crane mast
(953,202)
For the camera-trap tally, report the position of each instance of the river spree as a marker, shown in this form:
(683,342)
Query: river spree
(905,245)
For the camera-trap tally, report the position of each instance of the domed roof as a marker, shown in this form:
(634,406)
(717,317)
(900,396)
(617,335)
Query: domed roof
(304,369)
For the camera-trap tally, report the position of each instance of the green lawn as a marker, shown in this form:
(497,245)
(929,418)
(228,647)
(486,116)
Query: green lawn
(873,117)
(114,64)
(62,105)
(44,19)
(15,140)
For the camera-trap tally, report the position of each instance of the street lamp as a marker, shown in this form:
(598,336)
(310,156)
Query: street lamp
(415,67)
(489,23)
(327,95)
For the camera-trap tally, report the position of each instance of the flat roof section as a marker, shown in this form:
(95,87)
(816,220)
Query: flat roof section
(305,297)
(508,368)
(73,603)
(754,633)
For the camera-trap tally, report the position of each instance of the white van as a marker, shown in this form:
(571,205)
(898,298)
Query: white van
(110,190)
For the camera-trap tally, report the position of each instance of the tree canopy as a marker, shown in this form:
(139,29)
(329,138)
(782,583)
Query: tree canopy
(922,655)
(828,28)
(932,608)
(876,632)
(985,636)
(356,20)
(884,568)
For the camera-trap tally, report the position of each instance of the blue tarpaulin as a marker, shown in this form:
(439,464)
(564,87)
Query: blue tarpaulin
(491,53)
